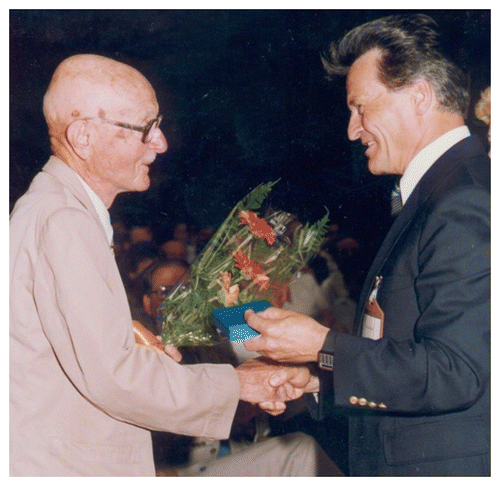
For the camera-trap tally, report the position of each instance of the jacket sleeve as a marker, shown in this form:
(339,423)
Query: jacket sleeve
(435,353)
(86,319)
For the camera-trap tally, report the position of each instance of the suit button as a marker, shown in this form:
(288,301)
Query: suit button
(372,404)
(353,400)
(362,401)
(382,405)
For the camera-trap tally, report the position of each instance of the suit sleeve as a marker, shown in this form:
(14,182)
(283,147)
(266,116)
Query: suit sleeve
(442,361)
(91,336)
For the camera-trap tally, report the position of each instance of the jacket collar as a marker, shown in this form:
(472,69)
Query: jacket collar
(68,177)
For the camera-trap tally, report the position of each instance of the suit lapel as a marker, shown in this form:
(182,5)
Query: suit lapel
(396,230)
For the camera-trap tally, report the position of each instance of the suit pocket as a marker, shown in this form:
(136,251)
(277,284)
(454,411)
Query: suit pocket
(436,441)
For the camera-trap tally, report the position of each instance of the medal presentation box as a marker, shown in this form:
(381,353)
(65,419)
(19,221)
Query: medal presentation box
(231,323)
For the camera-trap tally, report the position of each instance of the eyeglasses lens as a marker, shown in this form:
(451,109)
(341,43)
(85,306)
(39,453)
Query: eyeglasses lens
(153,124)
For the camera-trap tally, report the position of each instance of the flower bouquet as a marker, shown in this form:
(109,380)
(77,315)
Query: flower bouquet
(249,258)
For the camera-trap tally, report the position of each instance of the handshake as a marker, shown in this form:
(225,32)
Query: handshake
(270,384)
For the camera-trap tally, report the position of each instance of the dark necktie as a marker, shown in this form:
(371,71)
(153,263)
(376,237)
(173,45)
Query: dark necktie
(396,202)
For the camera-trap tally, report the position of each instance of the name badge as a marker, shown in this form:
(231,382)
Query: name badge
(373,320)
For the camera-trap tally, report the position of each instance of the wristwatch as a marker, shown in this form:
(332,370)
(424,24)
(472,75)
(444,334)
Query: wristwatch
(325,356)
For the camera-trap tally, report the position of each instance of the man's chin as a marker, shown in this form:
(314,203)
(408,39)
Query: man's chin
(379,167)
(143,184)
(374,168)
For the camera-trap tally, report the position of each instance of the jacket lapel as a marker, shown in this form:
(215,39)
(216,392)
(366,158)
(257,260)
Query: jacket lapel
(396,230)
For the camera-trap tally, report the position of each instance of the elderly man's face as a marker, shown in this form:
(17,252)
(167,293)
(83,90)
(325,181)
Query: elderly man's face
(381,119)
(122,160)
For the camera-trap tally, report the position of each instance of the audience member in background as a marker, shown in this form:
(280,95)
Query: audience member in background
(482,110)
(175,249)
(158,280)
(305,294)
(202,238)
(140,234)
(121,244)
(186,234)
(140,256)
(336,293)
(181,232)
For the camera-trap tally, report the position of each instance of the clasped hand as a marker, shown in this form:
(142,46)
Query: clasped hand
(271,384)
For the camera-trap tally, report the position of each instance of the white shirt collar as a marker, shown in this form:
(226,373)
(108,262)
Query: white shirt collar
(421,163)
(101,210)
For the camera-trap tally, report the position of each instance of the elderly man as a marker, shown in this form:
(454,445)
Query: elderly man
(415,377)
(83,396)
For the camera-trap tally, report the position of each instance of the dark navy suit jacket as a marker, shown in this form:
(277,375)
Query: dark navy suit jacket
(418,399)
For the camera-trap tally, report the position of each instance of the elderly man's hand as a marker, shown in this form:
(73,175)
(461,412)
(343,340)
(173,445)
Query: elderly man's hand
(285,336)
(146,339)
(271,384)
(299,381)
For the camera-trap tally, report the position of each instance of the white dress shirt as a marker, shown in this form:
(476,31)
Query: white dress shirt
(421,163)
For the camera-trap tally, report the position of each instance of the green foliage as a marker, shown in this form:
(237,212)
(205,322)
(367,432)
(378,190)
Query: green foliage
(254,199)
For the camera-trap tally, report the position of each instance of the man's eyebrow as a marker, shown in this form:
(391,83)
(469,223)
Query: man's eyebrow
(151,115)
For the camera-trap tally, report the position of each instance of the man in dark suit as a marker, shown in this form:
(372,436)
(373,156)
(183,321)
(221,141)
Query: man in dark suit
(415,377)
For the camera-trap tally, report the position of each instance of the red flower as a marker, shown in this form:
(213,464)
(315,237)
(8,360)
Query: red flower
(258,226)
(251,269)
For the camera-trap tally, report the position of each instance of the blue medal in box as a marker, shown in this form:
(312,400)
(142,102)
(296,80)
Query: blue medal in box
(231,323)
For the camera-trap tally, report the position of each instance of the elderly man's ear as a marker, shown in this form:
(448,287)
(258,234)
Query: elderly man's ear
(79,135)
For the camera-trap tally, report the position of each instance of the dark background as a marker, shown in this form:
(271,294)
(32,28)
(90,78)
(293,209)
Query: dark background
(245,101)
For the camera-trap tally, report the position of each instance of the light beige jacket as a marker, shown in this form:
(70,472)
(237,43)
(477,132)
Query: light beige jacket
(83,396)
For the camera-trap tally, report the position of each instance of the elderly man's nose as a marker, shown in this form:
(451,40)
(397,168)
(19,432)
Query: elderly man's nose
(159,142)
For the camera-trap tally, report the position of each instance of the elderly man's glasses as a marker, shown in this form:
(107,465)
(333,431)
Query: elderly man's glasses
(146,130)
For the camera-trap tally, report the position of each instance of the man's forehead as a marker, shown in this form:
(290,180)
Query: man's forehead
(362,77)
(168,275)
(104,100)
